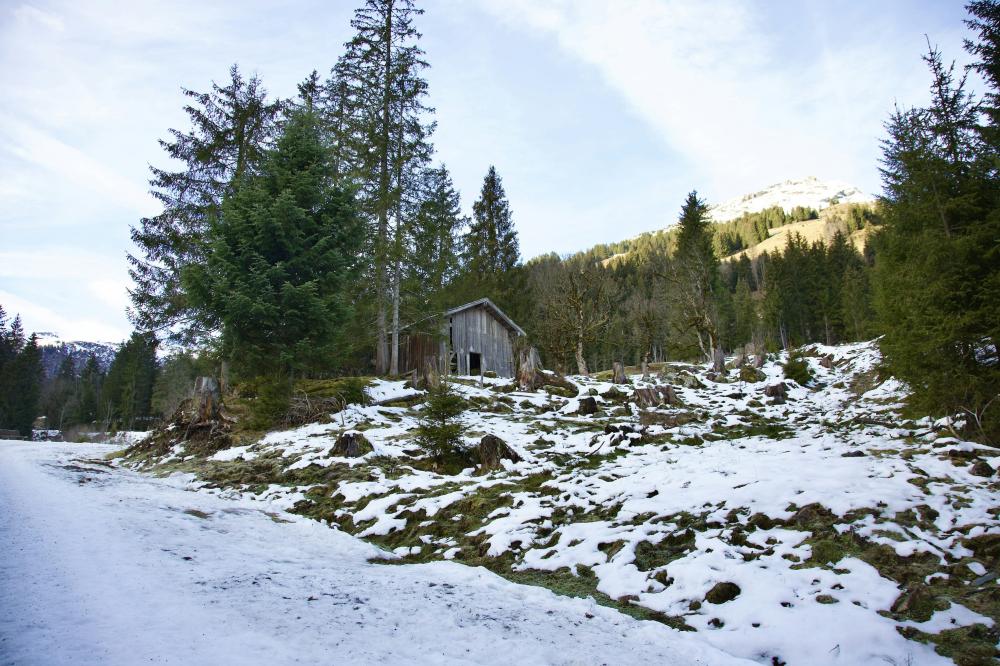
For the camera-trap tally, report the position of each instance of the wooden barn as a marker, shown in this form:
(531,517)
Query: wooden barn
(475,338)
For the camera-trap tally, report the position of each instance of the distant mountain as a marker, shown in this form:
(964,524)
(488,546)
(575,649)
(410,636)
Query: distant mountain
(809,192)
(54,351)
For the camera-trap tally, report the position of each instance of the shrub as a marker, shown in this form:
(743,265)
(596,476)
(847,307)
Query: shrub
(439,432)
(797,368)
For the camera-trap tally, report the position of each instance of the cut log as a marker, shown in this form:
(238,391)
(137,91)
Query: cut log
(492,450)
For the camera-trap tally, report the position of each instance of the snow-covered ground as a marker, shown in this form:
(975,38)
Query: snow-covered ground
(101,565)
(852,535)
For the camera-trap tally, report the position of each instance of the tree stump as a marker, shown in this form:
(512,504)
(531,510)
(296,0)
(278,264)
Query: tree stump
(669,396)
(647,397)
(618,373)
(427,377)
(351,445)
(587,406)
(206,401)
(529,377)
(718,360)
(492,450)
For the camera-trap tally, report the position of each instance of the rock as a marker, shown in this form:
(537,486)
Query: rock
(587,406)
(723,592)
(827,599)
(826,361)
(853,454)
(982,468)
(492,450)
(687,380)
(614,394)
(751,375)
(351,445)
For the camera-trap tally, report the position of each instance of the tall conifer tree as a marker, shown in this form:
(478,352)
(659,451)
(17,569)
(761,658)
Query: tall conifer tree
(492,249)
(379,80)
(231,126)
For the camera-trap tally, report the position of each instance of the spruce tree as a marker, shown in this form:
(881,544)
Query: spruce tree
(492,249)
(231,126)
(379,81)
(695,276)
(435,258)
(282,256)
(938,266)
(127,390)
(25,387)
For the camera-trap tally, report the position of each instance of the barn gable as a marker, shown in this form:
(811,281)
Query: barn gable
(475,338)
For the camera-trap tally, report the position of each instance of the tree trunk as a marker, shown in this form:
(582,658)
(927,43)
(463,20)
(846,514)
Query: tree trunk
(394,347)
(581,362)
(645,367)
(382,238)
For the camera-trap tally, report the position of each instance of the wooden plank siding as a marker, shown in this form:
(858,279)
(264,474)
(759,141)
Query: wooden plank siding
(475,328)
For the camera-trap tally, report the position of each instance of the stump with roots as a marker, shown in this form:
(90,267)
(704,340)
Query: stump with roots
(529,376)
(492,450)
(618,373)
(206,401)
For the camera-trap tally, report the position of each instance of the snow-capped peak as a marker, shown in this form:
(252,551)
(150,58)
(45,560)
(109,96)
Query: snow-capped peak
(809,192)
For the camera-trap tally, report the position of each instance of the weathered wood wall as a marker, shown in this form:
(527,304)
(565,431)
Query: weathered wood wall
(477,330)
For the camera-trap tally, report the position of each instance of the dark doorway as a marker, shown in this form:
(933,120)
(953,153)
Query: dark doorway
(475,364)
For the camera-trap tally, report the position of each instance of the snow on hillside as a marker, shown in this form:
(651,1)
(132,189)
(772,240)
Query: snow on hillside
(55,350)
(104,566)
(818,527)
(809,192)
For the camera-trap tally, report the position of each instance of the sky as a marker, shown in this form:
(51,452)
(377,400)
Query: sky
(599,115)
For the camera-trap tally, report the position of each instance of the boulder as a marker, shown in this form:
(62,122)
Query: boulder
(723,592)
(351,445)
(982,468)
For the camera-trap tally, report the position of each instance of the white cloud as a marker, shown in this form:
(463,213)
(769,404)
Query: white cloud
(715,83)
(38,318)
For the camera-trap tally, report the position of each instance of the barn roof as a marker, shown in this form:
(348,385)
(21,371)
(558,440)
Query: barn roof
(489,305)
